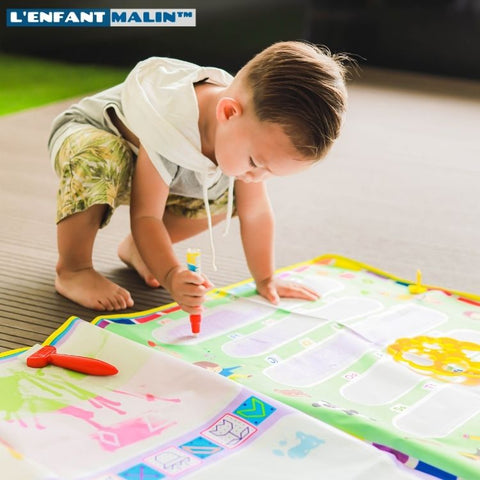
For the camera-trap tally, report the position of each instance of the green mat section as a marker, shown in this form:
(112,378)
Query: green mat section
(29,82)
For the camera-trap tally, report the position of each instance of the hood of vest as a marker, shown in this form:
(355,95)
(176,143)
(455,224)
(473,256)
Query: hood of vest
(160,107)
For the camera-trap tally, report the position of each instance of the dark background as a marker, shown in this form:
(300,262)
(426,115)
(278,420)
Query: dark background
(432,36)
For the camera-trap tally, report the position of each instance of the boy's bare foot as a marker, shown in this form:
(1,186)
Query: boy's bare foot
(128,253)
(92,290)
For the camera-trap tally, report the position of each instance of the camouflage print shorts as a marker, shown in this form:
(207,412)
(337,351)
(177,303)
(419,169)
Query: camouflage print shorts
(95,168)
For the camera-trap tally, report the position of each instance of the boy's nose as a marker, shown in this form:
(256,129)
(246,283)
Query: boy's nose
(254,175)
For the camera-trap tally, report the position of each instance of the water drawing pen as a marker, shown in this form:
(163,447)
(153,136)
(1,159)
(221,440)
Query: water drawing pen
(193,264)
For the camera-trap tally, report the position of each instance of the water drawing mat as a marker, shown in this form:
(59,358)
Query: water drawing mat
(393,363)
(160,418)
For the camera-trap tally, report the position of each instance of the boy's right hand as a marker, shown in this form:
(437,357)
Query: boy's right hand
(187,288)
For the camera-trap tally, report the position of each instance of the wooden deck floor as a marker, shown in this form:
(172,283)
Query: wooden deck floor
(400,191)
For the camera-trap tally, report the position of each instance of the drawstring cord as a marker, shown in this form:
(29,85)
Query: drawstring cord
(231,182)
(209,221)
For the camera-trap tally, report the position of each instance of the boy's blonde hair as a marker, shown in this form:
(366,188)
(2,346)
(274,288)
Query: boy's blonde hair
(302,88)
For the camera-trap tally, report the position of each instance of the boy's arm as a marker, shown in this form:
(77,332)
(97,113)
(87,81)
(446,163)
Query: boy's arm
(147,206)
(257,230)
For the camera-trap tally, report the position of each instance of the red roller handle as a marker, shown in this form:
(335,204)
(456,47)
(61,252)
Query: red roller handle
(90,366)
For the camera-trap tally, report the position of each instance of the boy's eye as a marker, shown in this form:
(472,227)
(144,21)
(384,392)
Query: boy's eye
(252,163)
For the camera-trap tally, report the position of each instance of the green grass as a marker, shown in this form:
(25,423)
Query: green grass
(29,82)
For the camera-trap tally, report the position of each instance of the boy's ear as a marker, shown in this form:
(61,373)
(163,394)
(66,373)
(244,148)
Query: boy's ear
(228,107)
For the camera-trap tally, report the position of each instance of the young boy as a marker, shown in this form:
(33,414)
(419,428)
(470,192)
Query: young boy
(177,140)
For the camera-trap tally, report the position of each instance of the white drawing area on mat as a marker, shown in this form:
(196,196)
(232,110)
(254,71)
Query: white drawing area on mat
(397,322)
(464,335)
(344,310)
(441,412)
(271,336)
(381,384)
(321,362)
(294,326)
(331,356)
(215,322)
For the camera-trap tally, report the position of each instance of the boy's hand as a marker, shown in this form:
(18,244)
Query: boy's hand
(187,288)
(273,288)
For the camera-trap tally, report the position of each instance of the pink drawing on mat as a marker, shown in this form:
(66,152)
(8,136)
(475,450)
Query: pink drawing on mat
(149,397)
(126,433)
(111,437)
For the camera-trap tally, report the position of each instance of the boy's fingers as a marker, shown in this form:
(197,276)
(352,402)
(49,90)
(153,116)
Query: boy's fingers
(309,296)
(274,299)
(192,302)
(192,277)
(197,279)
(313,292)
(206,282)
(298,291)
(193,290)
(190,309)
(193,298)
(272,295)
(309,293)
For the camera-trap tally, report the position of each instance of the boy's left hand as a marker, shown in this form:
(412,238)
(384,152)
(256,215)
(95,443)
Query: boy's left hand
(273,289)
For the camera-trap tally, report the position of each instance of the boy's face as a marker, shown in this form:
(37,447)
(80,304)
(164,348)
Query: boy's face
(250,150)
